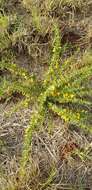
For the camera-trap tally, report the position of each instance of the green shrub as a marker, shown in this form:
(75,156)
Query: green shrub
(64,89)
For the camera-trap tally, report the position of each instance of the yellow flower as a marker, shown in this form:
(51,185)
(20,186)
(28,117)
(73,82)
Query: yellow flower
(32,80)
(78,116)
(72,95)
(24,75)
(68,96)
(55,93)
(65,95)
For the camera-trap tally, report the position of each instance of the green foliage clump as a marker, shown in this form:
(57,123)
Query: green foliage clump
(71,92)
(66,89)
(52,74)
(4,37)
(21,80)
(60,94)
(39,116)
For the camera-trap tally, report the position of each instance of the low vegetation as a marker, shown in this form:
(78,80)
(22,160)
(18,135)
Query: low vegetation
(46,67)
